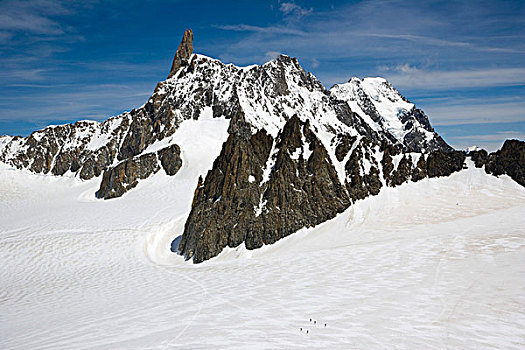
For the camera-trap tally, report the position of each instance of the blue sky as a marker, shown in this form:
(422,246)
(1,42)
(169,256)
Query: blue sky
(463,62)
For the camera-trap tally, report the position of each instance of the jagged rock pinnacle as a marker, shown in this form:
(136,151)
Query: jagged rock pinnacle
(183,53)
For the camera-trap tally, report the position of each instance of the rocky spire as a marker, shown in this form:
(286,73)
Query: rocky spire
(183,53)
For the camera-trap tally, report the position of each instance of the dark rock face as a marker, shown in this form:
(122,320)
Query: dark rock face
(509,160)
(420,171)
(344,144)
(170,159)
(140,131)
(124,176)
(261,190)
(440,163)
(415,140)
(119,179)
(226,197)
(403,173)
(359,183)
(434,164)
(479,157)
(183,53)
(387,161)
(350,118)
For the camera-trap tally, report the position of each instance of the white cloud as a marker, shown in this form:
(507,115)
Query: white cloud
(34,16)
(489,142)
(271,55)
(480,112)
(264,30)
(294,11)
(394,30)
(411,77)
(429,40)
(502,135)
(30,74)
(403,68)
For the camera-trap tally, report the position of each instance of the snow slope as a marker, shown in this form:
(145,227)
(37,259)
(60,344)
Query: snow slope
(429,265)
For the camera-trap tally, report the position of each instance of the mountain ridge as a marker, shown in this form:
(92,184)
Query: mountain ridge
(90,141)
(296,154)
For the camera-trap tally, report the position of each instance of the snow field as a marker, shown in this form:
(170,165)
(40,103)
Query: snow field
(435,264)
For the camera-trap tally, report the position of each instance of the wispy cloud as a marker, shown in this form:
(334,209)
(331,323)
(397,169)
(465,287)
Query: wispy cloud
(32,35)
(502,135)
(265,30)
(491,141)
(39,86)
(83,102)
(271,55)
(394,30)
(24,74)
(294,12)
(34,16)
(480,112)
(407,76)
(428,40)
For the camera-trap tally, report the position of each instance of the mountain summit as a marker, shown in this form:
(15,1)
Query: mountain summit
(294,154)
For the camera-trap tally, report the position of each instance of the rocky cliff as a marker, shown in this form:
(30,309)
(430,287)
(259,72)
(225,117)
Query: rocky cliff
(509,160)
(183,53)
(295,156)
(261,189)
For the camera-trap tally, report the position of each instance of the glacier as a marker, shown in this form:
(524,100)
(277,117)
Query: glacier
(433,264)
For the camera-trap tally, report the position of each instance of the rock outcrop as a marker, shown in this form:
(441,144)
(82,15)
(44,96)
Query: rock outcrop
(440,163)
(479,157)
(263,189)
(183,53)
(509,160)
(124,176)
(170,159)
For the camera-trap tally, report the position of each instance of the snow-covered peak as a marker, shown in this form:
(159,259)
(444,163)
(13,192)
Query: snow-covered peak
(384,108)
(4,140)
(268,94)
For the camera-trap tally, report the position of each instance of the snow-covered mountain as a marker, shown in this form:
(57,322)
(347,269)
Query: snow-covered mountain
(267,95)
(222,154)
(293,153)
